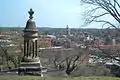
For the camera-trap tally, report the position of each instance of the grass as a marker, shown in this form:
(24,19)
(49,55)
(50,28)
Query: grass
(55,78)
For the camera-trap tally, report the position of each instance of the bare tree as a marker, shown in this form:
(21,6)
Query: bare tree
(71,64)
(107,13)
(101,10)
(110,52)
(5,54)
(11,54)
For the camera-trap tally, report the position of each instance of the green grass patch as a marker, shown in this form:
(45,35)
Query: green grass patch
(55,78)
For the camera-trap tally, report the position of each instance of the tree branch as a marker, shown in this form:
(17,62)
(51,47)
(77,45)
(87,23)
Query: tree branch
(107,22)
(109,6)
(108,54)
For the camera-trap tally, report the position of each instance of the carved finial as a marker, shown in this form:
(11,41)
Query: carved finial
(31,12)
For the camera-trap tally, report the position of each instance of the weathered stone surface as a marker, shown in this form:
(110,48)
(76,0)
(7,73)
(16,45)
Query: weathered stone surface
(30,59)
(30,63)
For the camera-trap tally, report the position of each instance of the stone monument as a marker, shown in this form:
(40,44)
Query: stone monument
(30,63)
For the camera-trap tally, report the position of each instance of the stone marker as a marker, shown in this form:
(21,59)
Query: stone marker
(30,63)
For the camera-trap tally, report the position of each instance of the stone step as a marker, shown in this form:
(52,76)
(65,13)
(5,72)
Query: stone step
(30,65)
(30,59)
(30,62)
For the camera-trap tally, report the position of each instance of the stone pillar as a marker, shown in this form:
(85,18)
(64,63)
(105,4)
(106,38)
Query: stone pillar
(33,49)
(25,48)
(36,48)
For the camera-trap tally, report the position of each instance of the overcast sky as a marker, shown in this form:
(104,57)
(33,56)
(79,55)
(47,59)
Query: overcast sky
(48,13)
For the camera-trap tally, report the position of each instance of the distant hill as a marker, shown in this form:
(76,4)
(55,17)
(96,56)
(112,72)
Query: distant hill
(48,30)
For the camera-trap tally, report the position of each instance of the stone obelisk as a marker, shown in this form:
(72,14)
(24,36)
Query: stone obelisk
(30,62)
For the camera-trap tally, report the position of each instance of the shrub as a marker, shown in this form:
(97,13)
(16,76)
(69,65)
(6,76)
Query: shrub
(91,70)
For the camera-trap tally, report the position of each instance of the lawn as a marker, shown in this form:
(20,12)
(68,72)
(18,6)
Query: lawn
(55,78)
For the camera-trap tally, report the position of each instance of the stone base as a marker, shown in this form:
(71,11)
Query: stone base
(30,66)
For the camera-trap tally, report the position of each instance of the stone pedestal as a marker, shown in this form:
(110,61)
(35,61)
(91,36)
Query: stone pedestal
(30,66)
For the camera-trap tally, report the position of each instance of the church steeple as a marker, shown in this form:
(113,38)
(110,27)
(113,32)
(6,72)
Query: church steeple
(67,31)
